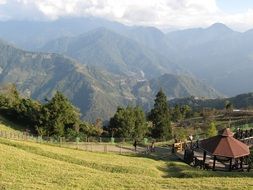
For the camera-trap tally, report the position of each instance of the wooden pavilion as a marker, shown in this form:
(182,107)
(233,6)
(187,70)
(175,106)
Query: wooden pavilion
(224,147)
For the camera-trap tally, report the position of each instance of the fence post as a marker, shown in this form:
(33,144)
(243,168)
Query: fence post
(60,141)
(105,148)
(77,142)
(112,140)
(145,141)
(120,149)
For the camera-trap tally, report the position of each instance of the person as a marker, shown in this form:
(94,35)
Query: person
(153,146)
(135,145)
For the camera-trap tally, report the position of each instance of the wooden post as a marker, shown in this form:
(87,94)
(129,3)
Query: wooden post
(60,141)
(241,160)
(214,160)
(105,148)
(204,159)
(230,165)
(173,148)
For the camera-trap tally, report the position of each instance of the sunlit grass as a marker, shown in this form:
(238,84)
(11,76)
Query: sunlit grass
(27,165)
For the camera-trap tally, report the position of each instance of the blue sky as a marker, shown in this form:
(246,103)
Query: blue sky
(174,14)
(235,6)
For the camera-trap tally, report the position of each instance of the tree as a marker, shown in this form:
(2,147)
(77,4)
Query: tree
(180,133)
(28,110)
(186,111)
(129,122)
(95,129)
(212,130)
(228,106)
(9,100)
(58,115)
(177,115)
(229,110)
(160,117)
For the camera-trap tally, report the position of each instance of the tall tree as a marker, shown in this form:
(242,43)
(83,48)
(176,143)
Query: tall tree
(160,117)
(59,114)
(129,122)
(177,115)
(9,97)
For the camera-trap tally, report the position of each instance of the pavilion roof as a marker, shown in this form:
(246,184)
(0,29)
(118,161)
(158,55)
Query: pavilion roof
(225,145)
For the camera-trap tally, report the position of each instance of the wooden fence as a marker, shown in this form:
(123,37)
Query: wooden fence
(98,146)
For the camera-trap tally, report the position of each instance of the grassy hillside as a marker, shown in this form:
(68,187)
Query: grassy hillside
(26,165)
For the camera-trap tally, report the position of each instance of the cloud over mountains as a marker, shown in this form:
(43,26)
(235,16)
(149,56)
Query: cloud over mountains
(159,13)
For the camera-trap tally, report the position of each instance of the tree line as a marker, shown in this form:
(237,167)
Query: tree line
(156,124)
(58,117)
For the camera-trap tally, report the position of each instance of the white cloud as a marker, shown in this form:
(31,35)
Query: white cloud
(2,2)
(159,13)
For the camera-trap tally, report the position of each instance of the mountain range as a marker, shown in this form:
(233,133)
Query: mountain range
(101,64)
(114,52)
(96,92)
(217,55)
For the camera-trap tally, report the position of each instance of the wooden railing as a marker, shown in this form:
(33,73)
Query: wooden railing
(248,141)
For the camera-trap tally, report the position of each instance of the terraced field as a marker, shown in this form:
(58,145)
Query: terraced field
(27,165)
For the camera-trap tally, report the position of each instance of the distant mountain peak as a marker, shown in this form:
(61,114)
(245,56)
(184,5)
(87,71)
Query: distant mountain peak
(219,27)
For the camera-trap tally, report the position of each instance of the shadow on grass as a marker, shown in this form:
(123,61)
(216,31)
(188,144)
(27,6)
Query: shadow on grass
(5,121)
(182,170)
(175,168)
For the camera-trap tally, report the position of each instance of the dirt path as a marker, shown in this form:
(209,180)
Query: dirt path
(160,152)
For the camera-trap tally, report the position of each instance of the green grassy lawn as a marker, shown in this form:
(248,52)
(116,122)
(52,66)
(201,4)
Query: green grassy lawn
(28,165)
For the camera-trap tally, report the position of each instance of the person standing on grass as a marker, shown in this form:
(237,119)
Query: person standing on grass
(135,145)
